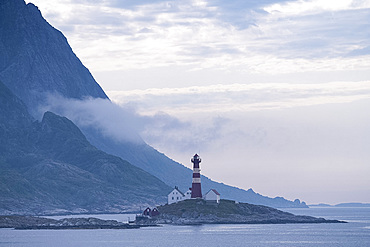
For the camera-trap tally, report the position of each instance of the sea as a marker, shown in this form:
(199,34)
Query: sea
(355,233)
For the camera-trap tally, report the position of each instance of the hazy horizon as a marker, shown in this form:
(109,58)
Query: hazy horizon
(273,94)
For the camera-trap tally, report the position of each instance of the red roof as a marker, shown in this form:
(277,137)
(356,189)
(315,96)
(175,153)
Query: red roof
(215,192)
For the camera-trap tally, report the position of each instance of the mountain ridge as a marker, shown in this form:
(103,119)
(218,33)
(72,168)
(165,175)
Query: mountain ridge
(32,50)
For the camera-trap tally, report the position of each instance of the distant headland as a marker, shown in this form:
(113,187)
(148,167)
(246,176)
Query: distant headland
(343,205)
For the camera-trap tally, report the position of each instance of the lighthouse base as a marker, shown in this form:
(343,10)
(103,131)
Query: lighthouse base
(196,190)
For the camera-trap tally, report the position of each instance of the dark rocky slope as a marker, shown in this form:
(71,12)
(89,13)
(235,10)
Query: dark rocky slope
(50,167)
(35,58)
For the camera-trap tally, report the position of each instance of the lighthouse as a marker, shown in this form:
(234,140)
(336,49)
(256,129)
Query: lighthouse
(196,189)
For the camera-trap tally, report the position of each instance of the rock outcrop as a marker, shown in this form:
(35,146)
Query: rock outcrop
(199,211)
(31,222)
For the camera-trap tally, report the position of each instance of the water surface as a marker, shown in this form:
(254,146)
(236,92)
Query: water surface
(354,233)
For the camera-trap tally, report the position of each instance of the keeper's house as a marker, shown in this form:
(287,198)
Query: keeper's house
(212,195)
(176,195)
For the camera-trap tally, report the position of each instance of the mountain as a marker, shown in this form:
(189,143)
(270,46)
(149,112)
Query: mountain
(353,205)
(344,205)
(50,167)
(36,60)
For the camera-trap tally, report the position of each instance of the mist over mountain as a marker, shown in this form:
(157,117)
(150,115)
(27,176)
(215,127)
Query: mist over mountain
(50,167)
(53,164)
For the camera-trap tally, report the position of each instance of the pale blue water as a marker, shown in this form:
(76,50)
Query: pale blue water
(353,234)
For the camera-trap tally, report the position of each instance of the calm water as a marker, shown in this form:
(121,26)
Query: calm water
(355,233)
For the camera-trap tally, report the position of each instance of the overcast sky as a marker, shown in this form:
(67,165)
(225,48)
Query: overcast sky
(275,95)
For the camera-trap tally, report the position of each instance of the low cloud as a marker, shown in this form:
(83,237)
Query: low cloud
(119,123)
(124,123)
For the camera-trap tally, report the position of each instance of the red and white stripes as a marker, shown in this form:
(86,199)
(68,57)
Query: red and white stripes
(196,189)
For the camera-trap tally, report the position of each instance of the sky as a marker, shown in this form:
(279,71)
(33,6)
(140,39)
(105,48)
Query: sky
(273,94)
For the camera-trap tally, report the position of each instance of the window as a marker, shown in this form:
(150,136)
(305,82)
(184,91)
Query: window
(173,198)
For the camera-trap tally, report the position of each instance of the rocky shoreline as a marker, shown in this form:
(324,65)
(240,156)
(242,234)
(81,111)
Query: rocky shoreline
(188,212)
(195,212)
(32,222)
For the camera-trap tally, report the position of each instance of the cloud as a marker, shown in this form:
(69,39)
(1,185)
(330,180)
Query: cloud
(170,133)
(118,123)
(304,151)
(216,107)
(261,134)
(124,123)
(310,7)
(260,37)
(240,97)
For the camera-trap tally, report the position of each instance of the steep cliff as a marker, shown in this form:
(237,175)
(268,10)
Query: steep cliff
(36,58)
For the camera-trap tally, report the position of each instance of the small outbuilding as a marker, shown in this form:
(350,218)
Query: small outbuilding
(155,212)
(212,195)
(150,212)
(187,194)
(147,212)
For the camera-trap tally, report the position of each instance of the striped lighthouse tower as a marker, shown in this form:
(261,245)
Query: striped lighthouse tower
(196,189)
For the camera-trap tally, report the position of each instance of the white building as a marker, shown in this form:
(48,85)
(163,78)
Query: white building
(187,195)
(212,195)
(175,196)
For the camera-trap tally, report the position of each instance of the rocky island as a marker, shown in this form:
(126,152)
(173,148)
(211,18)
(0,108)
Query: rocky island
(198,211)
(187,212)
(33,222)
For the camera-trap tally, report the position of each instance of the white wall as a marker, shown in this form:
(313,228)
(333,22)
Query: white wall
(211,196)
(174,196)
